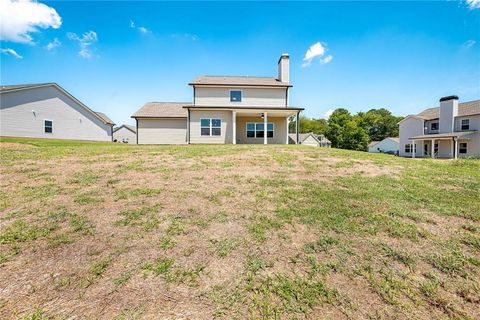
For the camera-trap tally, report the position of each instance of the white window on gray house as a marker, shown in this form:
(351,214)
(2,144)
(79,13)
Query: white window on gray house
(462,148)
(434,126)
(211,127)
(256,130)
(235,96)
(465,124)
(408,148)
(48,126)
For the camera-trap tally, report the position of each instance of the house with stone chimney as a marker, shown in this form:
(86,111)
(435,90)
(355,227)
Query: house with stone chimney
(223,110)
(451,130)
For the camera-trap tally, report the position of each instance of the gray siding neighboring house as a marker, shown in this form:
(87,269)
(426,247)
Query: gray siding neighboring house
(310,139)
(125,134)
(225,110)
(48,111)
(451,130)
(388,144)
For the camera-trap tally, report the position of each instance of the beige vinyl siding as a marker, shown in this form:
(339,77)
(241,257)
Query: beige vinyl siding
(226,130)
(279,134)
(124,134)
(473,146)
(310,141)
(23,112)
(162,131)
(409,128)
(251,97)
(474,122)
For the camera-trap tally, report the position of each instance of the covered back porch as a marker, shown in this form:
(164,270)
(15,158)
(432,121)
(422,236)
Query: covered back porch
(262,126)
(439,146)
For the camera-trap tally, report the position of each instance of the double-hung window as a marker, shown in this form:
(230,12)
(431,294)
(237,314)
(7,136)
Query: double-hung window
(462,147)
(211,127)
(465,124)
(48,125)
(409,148)
(235,96)
(256,130)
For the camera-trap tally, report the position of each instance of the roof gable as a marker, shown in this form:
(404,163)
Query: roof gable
(126,126)
(12,88)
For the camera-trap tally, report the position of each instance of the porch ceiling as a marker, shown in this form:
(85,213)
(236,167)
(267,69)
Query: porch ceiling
(253,111)
(443,136)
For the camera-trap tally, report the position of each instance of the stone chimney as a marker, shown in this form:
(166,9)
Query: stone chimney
(447,114)
(283,68)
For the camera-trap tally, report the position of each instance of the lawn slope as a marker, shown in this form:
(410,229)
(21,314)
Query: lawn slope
(102,230)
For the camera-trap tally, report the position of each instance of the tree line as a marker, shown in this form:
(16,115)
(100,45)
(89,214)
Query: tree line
(352,131)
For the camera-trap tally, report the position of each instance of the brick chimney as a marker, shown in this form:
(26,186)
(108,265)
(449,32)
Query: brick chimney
(447,114)
(283,68)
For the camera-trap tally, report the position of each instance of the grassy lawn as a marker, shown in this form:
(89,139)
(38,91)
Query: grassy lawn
(101,230)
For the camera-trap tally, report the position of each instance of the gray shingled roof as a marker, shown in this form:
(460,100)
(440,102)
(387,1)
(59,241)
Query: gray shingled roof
(104,117)
(162,110)
(130,127)
(464,109)
(239,81)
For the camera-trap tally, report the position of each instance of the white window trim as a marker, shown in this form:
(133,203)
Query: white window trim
(255,130)
(461,124)
(210,127)
(44,126)
(230,95)
(466,147)
(411,147)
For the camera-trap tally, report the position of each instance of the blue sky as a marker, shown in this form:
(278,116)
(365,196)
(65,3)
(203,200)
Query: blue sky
(115,56)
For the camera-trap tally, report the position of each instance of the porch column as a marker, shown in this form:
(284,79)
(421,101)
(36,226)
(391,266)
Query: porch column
(287,130)
(433,149)
(452,154)
(455,140)
(265,121)
(234,127)
(413,149)
(297,127)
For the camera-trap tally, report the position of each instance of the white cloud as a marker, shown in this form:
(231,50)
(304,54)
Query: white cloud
(328,113)
(11,52)
(187,36)
(473,4)
(316,50)
(469,43)
(54,44)
(141,29)
(86,41)
(19,18)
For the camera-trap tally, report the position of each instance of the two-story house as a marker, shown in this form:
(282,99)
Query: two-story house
(224,110)
(449,131)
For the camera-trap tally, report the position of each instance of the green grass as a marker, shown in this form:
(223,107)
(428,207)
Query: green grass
(235,232)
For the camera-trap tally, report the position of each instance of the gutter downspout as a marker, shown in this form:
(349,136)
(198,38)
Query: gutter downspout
(298,126)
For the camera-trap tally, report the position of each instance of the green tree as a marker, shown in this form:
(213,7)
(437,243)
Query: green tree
(317,126)
(344,132)
(378,123)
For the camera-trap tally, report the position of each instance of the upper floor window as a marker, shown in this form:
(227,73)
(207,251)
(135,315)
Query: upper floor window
(235,96)
(465,124)
(210,127)
(434,126)
(48,126)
